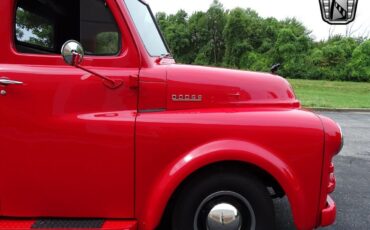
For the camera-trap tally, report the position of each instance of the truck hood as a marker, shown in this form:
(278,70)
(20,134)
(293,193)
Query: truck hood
(190,87)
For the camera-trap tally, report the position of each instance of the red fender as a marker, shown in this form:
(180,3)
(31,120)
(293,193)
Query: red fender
(218,151)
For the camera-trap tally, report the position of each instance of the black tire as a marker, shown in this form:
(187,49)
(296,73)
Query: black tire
(206,190)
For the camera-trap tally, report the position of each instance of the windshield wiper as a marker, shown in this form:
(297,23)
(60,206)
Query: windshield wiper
(163,56)
(167,55)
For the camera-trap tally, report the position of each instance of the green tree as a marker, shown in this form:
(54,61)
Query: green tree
(177,34)
(216,19)
(331,58)
(291,50)
(199,34)
(235,35)
(241,39)
(256,61)
(360,64)
(162,20)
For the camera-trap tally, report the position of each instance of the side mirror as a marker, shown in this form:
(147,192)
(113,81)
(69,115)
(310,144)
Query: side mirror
(73,52)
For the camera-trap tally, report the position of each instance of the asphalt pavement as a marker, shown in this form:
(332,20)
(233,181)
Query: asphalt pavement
(352,166)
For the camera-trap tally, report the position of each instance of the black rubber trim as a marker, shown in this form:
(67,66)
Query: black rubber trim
(68,223)
(151,110)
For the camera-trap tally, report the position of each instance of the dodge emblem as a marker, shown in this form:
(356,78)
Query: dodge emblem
(187,98)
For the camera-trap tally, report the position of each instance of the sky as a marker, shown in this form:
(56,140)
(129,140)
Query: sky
(306,11)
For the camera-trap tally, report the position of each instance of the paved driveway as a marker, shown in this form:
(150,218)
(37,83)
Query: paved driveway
(352,166)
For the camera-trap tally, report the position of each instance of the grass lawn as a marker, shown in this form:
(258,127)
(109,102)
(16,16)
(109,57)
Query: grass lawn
(331,94)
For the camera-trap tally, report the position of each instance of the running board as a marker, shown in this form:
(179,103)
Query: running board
(65,224)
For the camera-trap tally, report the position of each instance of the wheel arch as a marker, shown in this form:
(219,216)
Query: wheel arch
(225,166)
(224,153)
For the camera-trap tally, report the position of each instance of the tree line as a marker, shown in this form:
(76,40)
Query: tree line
(242,39)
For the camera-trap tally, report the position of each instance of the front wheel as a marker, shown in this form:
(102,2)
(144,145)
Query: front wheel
(223,201)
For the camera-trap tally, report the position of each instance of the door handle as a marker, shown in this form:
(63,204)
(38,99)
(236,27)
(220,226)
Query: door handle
(4,81)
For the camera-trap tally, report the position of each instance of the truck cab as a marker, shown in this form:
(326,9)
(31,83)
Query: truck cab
(101,129)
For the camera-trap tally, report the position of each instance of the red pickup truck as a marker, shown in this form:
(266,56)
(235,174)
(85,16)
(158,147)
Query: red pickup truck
(100,128)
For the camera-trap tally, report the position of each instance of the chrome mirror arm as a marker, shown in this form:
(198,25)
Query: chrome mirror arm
(73,54)
(113,84)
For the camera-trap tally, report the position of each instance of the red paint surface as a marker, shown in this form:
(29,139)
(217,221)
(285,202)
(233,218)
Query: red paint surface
(67,141)
(72,147)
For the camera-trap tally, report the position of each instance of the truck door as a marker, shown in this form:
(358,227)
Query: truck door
(66,139)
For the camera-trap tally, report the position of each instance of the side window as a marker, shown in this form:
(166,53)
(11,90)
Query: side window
(106,43)
(34,30)
(42,26)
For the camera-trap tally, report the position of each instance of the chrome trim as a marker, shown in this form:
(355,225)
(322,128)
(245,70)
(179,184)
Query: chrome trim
(5,81)
(187,98)
(224,216)
(342,138)
(72,52)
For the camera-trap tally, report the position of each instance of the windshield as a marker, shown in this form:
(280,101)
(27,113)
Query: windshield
(147,28)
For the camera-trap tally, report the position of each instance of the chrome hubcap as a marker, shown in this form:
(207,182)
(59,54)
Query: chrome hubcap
(225,210)
(224,216)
